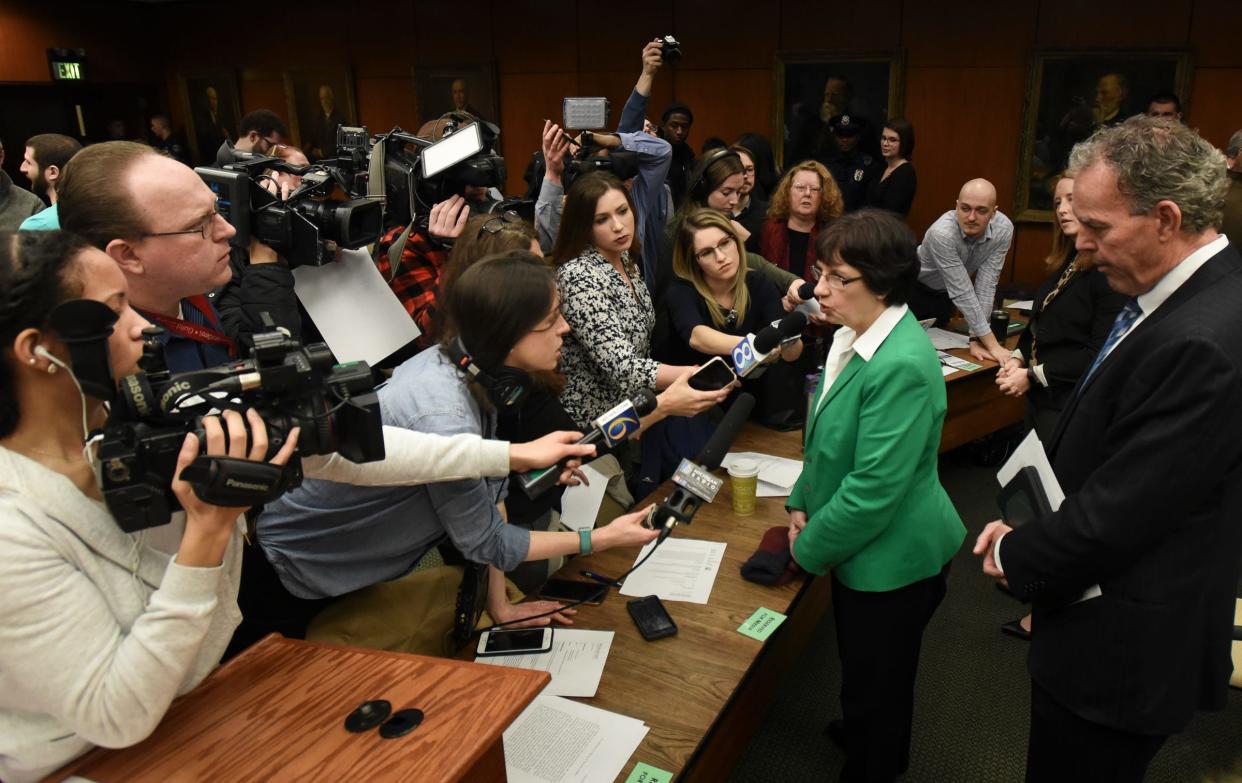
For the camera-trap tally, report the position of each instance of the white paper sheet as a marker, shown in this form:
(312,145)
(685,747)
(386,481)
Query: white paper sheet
(575,662)
(682,569)
(944,339)
(765,490)
(947,370)
(776,471)
(580,504)
(1030,452)
(359,316)
(556,740)
(1025,304)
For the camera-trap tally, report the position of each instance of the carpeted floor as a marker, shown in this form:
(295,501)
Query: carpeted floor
(972,700)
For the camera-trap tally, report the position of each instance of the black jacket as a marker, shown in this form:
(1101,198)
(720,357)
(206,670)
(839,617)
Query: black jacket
(258,299)
(1149,453)
(1069,333)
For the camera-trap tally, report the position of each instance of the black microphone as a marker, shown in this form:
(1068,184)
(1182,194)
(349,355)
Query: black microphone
(613,427)
(750,353)
(809,305)
(806,291)
(695,483)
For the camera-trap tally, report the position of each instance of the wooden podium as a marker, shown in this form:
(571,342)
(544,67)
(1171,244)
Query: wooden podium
(277,712)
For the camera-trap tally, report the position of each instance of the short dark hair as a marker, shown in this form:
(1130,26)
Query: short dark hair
(1167,97)
(265,121)
(37,273)
(496,302)
(53,149)
(905,133)
(712,143)
(94,199)
(879,245)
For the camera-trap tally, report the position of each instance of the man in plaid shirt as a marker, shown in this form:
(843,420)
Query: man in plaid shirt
(422,263)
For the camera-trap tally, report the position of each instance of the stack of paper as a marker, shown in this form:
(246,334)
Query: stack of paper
(944,340)
(575,662)
(682,569)
(556,740)
(777,475)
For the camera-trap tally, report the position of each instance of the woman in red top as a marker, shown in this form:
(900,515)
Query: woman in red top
(806,200)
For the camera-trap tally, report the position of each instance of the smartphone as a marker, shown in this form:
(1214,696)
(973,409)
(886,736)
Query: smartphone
(572,590)
(651,618)
(716,374)
(519,641)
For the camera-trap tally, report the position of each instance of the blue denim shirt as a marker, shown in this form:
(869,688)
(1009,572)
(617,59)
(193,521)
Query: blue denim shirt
(325,539)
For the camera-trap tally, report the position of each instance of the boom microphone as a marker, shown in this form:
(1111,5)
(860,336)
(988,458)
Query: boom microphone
(610,429)
(695,483)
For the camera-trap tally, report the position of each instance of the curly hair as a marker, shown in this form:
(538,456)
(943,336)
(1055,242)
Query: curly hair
(831,205)
(1157,159)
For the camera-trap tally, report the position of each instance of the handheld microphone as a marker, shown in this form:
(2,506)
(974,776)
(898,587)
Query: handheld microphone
(610,429)
(750,354)
(695,483)
(810,305)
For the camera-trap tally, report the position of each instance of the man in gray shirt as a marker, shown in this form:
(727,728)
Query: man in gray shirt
(971,240)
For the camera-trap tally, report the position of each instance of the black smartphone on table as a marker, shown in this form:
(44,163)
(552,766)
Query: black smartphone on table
(572,590)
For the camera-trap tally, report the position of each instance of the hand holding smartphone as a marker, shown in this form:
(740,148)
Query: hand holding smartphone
(713,376)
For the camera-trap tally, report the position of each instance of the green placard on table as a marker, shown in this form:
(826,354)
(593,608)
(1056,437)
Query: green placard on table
(645,773)
(761,624)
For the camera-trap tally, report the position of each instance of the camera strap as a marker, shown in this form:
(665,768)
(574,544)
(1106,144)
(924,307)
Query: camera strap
(197,332)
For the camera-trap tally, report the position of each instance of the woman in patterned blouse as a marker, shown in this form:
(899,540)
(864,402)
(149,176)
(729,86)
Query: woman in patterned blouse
(607,355)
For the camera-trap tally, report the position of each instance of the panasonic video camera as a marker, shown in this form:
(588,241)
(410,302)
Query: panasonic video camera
(289,385)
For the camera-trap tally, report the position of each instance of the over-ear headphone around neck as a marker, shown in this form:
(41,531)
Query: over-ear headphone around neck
(506,387)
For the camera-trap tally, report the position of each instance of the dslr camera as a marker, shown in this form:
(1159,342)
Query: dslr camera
(288,385)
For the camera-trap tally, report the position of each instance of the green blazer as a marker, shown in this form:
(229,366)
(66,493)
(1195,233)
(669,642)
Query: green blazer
(877,515)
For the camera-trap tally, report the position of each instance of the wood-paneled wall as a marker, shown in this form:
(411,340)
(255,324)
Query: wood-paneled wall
(965,81)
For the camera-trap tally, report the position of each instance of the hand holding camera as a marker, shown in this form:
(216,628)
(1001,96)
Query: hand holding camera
(208,527)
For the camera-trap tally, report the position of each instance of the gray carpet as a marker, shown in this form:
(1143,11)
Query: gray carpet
(972,701)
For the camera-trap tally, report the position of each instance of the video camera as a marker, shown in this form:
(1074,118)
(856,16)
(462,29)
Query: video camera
(391,179)
(287,384)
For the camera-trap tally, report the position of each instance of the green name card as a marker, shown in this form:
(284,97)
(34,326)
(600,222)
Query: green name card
(761,624)
(645,773)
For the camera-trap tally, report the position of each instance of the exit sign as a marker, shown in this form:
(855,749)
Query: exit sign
(67,65)
(67,72)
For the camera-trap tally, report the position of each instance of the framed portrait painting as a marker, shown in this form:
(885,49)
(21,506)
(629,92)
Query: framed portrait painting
(470,88)
(212,110)
(1070,95)
(813,87)
(319,100)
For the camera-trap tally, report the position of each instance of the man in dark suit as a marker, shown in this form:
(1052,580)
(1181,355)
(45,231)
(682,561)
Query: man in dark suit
(1132,580)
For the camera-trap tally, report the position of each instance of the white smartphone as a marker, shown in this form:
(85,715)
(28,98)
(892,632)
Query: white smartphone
(518,641)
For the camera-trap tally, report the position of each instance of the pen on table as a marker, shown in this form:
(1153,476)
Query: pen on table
(601,579)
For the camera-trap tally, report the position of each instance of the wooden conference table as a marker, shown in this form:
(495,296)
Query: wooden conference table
(276,711)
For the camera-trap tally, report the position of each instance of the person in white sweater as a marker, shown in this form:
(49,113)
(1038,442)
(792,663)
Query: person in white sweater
(99,629)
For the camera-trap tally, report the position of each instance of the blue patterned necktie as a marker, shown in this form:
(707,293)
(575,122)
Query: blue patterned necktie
(1125,319)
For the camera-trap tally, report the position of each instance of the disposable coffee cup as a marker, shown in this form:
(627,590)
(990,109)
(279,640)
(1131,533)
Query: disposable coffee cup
(744,479)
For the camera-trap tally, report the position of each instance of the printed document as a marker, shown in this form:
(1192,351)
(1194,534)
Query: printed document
(556,740)
(682,569)
(575,662)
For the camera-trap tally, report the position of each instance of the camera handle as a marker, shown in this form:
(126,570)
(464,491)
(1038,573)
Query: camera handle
(229,481)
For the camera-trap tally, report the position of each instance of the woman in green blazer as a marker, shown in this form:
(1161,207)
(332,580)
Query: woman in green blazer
(869,505)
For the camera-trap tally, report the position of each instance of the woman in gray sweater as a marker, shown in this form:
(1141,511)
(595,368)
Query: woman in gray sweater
(100,629)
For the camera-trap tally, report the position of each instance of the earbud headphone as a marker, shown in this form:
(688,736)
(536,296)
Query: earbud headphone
(46,354)
(697,189)
(507,387)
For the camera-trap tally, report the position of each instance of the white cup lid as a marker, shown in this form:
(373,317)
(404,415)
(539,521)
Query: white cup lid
(744,468)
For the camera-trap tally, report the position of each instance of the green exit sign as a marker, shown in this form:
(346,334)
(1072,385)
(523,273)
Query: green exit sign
(67,72)
(67,65)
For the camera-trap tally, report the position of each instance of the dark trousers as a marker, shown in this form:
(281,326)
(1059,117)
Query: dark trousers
(927,302)
(878,638)
(1066,747)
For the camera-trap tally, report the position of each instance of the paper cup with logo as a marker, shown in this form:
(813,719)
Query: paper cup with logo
(744,479)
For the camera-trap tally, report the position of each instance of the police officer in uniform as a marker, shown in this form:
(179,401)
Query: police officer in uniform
(851,167)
